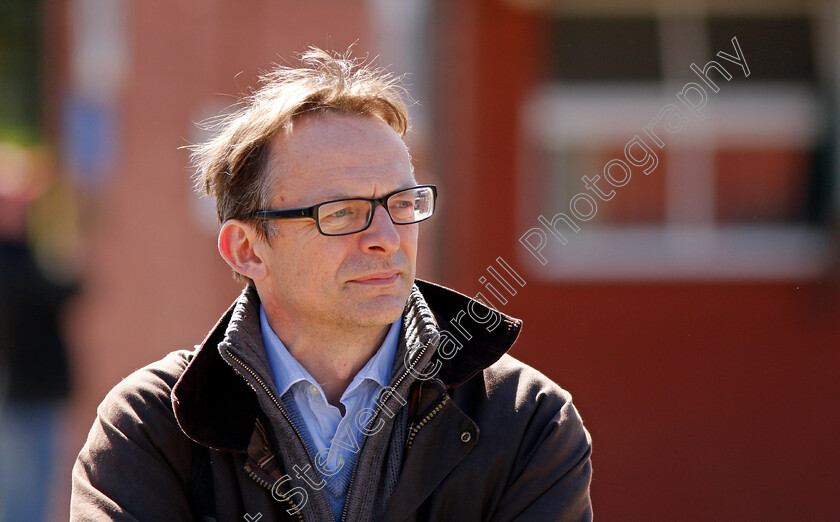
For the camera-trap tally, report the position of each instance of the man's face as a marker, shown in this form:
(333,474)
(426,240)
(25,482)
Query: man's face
(360,279)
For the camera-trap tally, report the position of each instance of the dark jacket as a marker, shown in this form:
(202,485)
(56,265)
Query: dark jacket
(33,356)
(204,435)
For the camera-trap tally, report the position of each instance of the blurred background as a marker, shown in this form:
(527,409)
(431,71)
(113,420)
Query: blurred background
(694,318)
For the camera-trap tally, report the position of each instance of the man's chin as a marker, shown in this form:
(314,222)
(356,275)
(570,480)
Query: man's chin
(378,311)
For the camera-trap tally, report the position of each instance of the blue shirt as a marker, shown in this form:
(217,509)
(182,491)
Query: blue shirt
(336,438)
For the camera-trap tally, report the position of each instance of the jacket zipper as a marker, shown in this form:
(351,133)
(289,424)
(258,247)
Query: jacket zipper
(270,487)
(415,429)
(256,377)
(271,396)
(376,413)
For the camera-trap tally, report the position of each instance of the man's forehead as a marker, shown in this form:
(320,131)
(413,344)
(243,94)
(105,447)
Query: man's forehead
(334,128)
(336,155)
(344,183)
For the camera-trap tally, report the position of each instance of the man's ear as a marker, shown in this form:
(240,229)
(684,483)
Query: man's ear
(237,246)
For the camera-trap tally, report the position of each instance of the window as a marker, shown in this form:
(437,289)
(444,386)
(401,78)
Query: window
(741,190)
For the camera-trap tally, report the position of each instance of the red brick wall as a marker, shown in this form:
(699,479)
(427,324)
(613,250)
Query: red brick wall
(705,401)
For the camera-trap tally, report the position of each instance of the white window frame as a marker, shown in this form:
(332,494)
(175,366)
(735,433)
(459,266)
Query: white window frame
(689,245)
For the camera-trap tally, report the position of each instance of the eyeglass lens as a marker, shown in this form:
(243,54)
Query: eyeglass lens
(352,215)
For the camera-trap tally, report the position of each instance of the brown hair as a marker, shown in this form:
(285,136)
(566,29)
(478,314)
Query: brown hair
(234,166)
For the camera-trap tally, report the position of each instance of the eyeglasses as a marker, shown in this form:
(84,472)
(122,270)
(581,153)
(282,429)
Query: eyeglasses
(341,217)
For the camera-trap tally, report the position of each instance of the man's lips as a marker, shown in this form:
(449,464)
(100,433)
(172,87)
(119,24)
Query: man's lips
(378,279)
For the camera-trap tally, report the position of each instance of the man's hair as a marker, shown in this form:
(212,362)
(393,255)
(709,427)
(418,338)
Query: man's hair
(234,166)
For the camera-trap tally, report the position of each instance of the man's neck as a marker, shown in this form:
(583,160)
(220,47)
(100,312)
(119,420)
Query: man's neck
(333,356)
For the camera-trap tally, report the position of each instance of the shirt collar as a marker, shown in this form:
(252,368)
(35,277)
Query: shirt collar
(379,367)
(287,371)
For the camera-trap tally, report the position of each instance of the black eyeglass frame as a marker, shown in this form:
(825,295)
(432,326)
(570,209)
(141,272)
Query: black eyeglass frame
(312,212)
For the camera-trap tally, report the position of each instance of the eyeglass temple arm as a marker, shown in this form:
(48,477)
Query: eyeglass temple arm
(285,214)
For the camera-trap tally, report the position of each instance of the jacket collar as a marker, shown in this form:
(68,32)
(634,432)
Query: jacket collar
(216,407)
(490,333)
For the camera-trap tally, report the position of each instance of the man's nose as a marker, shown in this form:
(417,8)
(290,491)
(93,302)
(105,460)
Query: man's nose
(382,233)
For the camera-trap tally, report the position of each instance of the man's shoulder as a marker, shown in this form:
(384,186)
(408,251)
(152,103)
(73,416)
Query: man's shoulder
(147,391)
(134,448)
(159,375)
(512,375)
(511,395)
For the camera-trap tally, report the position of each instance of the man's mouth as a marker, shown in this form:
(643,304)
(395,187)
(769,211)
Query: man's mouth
(378,279)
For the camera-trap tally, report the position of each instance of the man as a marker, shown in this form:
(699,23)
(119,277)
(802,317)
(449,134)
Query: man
(331,389)
(34,367)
